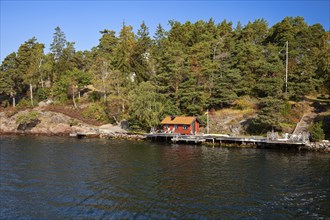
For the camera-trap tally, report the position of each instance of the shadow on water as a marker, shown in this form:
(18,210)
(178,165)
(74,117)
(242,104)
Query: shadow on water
(48,177)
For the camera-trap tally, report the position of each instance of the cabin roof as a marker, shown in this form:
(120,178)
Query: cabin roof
(178,120)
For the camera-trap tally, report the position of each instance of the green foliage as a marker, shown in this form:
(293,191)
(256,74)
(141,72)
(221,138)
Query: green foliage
(94,96)
(27,117)
(78,78)
(10,83)
(96,111)
(59,42)
(116,108)
(317,132)
(5,104)
(73,122)
(60,89)
(24,103)
(185,70)
(244,102)
(286,110)
(269,117)
(42,93)
(146,108)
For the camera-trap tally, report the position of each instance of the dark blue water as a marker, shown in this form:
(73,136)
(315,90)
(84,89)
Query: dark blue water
(63,178)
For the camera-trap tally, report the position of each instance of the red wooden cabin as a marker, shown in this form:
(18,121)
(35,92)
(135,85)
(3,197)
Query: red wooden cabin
(181,125)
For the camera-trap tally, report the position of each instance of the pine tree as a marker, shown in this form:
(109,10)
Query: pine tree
(58,44)
(10,82)
(125,50)
(141,58)
(29,58)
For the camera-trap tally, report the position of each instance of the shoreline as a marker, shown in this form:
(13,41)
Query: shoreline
(100,136)
(321,147)
(51,123)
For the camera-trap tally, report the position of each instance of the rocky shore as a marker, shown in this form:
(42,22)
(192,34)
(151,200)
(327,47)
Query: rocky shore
(57,124)
(317,146)
(50,123)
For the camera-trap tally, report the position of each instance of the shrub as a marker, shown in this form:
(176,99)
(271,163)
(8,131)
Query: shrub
(317,132)
(42,93)
(5,104)
(27,117)
(96,111)
(24,103)
(94,96)
(73,122)
(244,102)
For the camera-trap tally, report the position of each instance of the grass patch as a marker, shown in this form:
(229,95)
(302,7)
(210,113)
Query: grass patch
(27,118)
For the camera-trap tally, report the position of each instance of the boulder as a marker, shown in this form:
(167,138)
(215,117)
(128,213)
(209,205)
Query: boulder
(28,126)
(111,129)
(60,129)
(42,104)
(49,101)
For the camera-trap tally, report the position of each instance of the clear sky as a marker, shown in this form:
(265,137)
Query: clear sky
(81,21)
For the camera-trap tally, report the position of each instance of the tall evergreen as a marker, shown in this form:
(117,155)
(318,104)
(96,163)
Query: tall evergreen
(10,80)
(58,44)
(29,59)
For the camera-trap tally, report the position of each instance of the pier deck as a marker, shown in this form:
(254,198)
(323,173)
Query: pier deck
(223,139)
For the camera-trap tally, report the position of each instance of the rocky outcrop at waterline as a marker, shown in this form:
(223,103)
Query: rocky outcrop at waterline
(317,146)
(57,124)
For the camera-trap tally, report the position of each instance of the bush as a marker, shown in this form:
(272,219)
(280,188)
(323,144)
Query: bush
(317,132)
(5,104)
(24,103)
(42,93)
(73,122)
(244,102)
(96,111)
(94,96)
(27,118)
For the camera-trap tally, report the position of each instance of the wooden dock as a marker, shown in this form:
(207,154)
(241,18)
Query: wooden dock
(194,139)
(175,138)
(261,142)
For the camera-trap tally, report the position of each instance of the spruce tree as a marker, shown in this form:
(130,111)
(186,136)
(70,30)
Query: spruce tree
(58,44)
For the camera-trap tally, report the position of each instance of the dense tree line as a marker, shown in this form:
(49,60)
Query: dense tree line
(183,71)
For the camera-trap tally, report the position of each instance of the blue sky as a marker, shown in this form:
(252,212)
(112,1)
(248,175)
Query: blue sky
(81,21)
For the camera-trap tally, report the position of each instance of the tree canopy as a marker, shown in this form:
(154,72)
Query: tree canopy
(184,70)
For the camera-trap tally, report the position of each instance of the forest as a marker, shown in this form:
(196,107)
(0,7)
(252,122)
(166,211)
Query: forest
(186,70)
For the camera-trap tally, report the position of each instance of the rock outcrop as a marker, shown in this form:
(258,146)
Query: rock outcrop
(54,123)
(318,146)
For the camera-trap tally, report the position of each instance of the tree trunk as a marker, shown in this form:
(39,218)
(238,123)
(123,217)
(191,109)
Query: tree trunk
(31,94)
(105,97)
(73,98)
(114,117)
(79,94)
(103,85)
(14,101)
(12,95)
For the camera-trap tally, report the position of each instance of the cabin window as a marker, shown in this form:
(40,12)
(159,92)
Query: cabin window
(175,127)
(166,126)
(185,127)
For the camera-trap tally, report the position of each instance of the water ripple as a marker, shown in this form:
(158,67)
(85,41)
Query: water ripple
(47,178)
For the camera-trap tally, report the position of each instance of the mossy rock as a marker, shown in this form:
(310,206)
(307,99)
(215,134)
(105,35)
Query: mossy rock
(28,126)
